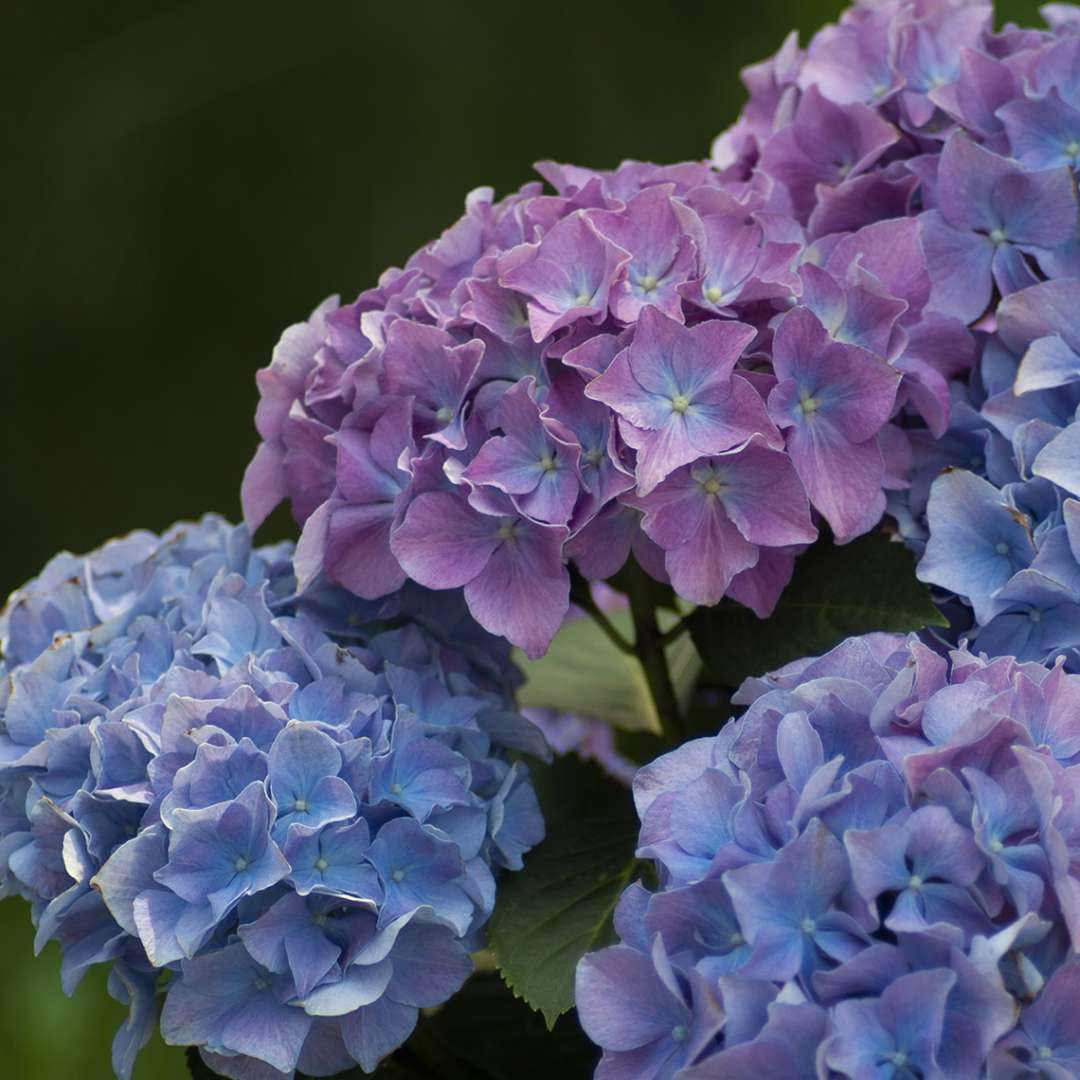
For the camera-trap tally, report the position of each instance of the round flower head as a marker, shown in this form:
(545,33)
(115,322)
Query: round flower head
(874,871)
(297,807)
(699,364)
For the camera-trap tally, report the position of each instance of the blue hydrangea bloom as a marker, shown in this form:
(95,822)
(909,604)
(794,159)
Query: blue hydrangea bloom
(296,806)
(873,872)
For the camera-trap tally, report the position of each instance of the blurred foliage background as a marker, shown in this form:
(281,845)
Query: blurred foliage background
(183,178)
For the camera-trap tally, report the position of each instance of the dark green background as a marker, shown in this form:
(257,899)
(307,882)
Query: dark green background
(182,180)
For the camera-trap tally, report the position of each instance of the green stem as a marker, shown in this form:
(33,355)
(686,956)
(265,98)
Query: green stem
(583,599)
(649,648)
(676,631)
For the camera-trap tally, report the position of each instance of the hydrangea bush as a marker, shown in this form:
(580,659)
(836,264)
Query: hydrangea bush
(274,788)
(288,809)
(875,871)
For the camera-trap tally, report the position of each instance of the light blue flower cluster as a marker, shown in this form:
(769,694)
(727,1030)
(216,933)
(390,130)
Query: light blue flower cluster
(296,807)
(874,872)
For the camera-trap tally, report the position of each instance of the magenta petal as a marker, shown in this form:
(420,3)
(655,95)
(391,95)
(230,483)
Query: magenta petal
(967,176)
(703,430)
(264,484)
(619,388)
(852,387)
(507,464)
(660,453)
(763,495)
(703,567)
(309,462)
(760,587)
(674,511)
(959,265)
(311,547)
(523,591)
(442,542)
(843,479)
(358,553)
(601,548)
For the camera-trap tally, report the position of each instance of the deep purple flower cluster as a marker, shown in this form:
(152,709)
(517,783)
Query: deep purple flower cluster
(291,808)
(874,872)
(695,363)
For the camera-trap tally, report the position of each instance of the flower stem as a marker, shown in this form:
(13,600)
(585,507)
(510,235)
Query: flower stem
(582,598)
(649,644)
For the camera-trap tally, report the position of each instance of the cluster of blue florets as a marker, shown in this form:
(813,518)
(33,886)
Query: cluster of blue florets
(297,807)
(874,872)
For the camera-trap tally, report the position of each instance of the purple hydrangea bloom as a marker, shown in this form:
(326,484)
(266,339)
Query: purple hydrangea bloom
(921,344)
(874,871)
(558,360)
(296,805)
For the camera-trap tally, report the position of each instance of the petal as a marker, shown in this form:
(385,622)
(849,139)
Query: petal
(523,591)
(442,542)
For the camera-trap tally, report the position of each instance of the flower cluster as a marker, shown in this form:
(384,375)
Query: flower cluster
(696,363)
(993,509)
(296,807)
(989,142)
(875,871)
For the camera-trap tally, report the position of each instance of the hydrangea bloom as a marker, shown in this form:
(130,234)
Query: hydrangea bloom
(875,871)
(999,528)
(296,807)
(917,112)
(698,363)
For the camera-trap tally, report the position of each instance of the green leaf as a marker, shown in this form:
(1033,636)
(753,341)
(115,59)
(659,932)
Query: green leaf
(560,906)
(485,1033)
(836,591)
(585,672)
